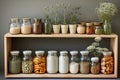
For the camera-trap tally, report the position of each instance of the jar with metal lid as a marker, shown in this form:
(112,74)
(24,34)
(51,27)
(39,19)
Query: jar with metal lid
(14,26)
(63,62)
(107,63)
(27,63)
(26,27)
(37,26)
(98,30)
(74,62)
(95,65)
(52,62)
(39,62)
(85,62)
(14,62)
(89,28)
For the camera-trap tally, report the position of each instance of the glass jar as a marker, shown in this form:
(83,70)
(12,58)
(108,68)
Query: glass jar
(27,64)
(98,30)
(107,63)
(89,28)
(80,29)
(26,27)
(39,62)
(37,26)
(85,62)
(52,62)
(15,62)
(14,26)
(95,65)
(74,63)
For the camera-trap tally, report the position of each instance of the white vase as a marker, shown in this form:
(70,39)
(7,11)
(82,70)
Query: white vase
(80,29)
(56,29)
(72,28)
(64,29)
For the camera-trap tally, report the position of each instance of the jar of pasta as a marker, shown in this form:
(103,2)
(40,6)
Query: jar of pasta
(39,62)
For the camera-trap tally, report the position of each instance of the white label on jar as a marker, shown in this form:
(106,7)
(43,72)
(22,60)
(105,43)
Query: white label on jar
(74,67)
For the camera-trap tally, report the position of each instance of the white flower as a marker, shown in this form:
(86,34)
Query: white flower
(98,39)
(90,48)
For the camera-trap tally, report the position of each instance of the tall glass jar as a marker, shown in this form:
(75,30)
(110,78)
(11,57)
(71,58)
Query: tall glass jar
(89,28)
(74,62)
(27,64)
(85,62)
(52,62)
(39,62)
(37,26)
(95,65)
(14,26)
(26,27)
(15,62)
(107,63)
(63,62)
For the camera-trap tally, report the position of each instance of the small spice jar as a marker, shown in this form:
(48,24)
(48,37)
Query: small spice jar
(39,62)
(107,63)
(95,65)
(14,26)
(14,62)
(37,26)
(74,62)
(26,27)
(63,62)
(85,62)
(27,63)
(52,62)
(89,28)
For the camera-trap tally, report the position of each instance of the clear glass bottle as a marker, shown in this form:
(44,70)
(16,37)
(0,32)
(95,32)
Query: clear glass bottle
(74,62)
(26,27)
(14,26)
(95,65)
(39,62)
(63,62)
(14,62)
(27,63)
(52,62)
(89,28)
(98,30)
(107,63)
(85,62)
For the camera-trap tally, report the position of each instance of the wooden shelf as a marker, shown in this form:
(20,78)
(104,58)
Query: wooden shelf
(8,46)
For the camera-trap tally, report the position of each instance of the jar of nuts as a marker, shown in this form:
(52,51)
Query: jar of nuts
(107,63)
(39,62)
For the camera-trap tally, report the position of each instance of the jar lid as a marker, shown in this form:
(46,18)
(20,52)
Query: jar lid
(84,52)
(41,52)
(27,52)
(14,19)
(97,27)
(52,52)
(107,53)
(26,19)
(96,23)
(94,59)
(63,52)
(14,52)
(89,24)
(73,52)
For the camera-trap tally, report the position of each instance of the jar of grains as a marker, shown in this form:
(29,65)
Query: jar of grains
(14,62)
(95,65)
(74,63)
(63,62)
(14,26)
(26,27)
(107,63)
(52,62)
(39,62)
(89,28)
(27,64)
(85,62)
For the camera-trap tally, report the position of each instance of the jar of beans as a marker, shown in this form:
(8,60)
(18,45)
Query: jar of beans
(39,62)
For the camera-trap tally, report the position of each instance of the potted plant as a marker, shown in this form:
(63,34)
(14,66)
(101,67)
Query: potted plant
(105,12)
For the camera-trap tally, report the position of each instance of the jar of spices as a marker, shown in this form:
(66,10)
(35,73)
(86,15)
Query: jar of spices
(63,62)
(98,30)
(74,63)
(37,26)
(15,62)
(95,65)
(52,62)
(85,62)
(80,29)
(27,64)
(89,28)
(14,26)
(39,62)
(26,27)
(107,63)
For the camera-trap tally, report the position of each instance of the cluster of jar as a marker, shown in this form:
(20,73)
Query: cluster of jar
(38,27)
(54,64)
